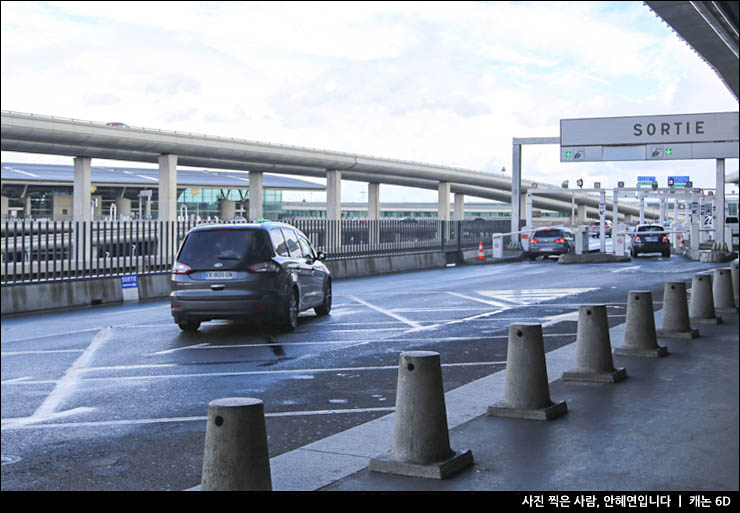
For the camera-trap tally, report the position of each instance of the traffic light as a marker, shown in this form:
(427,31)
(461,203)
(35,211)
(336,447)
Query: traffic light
(579,183)
(670,182)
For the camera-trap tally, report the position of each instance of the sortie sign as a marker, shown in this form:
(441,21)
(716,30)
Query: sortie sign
(675,128)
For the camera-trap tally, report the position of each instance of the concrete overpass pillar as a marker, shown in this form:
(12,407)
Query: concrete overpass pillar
(81,189)
(443,205)
(333,194)
(256,195)
(123,207)
(167,187)
(4,207)
(227,209)
(459,207)
(333,209)
(373,201)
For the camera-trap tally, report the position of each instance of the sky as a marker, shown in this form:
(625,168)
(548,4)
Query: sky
(435,82)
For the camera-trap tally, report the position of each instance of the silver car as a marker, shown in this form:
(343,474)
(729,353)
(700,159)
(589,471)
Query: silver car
(551,241)
(229,271)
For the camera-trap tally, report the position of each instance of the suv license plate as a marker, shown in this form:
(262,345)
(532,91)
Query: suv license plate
(219,275)
(651,239)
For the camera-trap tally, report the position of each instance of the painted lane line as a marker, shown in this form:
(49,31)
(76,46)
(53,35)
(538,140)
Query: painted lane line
(625,269)
(237,373)
(40,351)
(387,312)
(66,386)
(169,420)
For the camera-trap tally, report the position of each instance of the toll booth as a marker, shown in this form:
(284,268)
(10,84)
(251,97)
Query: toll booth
(582,239)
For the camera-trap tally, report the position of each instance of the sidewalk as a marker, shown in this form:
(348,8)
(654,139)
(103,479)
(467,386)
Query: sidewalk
(672,425)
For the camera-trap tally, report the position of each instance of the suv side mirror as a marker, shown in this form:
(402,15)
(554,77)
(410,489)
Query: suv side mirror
(321,256)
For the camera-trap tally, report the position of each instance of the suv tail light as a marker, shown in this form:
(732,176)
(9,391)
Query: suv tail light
(264,267)
(560,240)
(179,268)
(533,240)
(665,238)
(637,238)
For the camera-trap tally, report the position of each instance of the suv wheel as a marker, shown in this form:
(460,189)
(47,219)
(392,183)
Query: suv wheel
(325,307)
(290,311)
(189,325)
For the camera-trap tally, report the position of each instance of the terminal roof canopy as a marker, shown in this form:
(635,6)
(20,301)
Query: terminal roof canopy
(53,174)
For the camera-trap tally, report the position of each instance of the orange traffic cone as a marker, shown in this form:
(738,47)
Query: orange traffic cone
(481,255)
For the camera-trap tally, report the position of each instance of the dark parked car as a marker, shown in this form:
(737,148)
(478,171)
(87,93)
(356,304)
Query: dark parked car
(650,238)
(551,241)
(229,271)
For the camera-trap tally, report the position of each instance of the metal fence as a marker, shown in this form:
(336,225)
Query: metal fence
(47,251)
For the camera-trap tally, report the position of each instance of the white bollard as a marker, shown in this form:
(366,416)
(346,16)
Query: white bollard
(676,322)
(593,348)
(724,299)
(701,305)
(236,453)
(527,389)
(640,338)
(421,444)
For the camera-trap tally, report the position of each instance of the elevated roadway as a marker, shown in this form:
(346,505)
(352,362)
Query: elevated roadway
(29,133)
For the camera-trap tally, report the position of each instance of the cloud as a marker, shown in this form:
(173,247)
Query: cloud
(449,83)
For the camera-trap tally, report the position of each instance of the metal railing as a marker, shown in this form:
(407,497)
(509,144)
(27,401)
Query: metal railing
(50,251)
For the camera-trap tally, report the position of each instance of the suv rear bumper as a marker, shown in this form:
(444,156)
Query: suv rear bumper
(207,309)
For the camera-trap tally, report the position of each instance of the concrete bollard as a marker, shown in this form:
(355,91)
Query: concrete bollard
(724,299)
(640,338)
(421,443)
(527,389)
(236,454)
(676,322)
(735,287)
(593,348)
(701,305)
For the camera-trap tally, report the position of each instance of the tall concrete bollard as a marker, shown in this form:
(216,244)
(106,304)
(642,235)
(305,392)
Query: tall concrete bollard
(527,389)
(701,305)
(421,443)
(724,299)
(676,322)
(735,286)
(236,454)
(593,348)
(640,337)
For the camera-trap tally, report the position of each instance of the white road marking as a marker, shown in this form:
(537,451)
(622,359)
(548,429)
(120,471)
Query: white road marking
(387,312)
(625,269)
(67,385)
(130,422)
(236,373)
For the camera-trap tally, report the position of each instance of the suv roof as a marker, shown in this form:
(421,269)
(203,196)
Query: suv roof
(263,226)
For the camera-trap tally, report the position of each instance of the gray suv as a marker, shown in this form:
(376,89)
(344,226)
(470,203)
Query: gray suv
(229,271)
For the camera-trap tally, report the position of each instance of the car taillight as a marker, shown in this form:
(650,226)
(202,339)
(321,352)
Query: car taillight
(179,268)
(637,238)
(264,267)
(560,240)
(533,240)
(665,238)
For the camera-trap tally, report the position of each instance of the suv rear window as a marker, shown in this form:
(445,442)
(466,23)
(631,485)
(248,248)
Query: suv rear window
(650,229)
(548,233)
(234,249)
